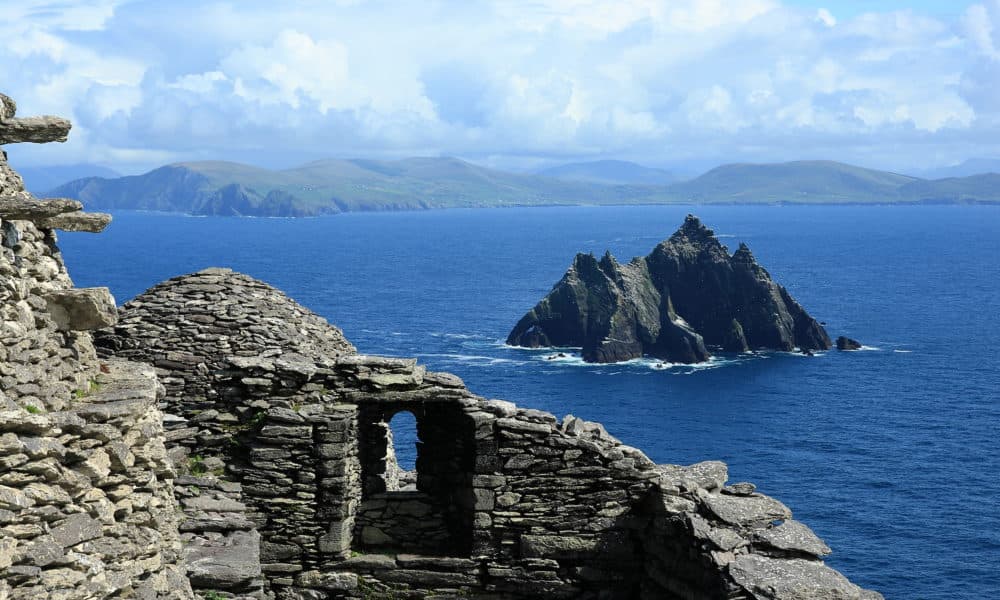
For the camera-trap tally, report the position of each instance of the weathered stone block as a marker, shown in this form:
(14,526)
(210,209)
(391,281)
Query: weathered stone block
(327,580)
(746,510)
(75,529)
(794,580)
(82,309)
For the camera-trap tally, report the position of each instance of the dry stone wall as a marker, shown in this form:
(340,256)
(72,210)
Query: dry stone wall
(86,502)
(41,363)
(86,505)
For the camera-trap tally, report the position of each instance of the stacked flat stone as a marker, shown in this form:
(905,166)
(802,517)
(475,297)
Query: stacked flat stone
(508,502)
(225,314)
(86,501)
(221,545)
(45,350)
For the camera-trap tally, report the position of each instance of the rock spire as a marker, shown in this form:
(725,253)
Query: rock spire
(686,297)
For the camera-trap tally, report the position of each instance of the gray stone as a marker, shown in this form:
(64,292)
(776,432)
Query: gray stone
(76,529)
(369,562)
(82,309)
(80,221)
(746,511)
(327,580)
(14,499)
(25,208)
(793,579)
(33,129)
(40,552)
(792,536)
(742,488)
(234,563)
(556,546)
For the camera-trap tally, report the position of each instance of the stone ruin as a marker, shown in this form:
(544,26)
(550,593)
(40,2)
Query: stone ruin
(225,442)
(87,506)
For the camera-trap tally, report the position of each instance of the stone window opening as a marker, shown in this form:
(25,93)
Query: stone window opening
(402,447)
(428,510)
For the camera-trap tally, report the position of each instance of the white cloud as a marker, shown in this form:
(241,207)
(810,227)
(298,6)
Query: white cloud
(89,15)
(825,17)
(515,81)
(979,22)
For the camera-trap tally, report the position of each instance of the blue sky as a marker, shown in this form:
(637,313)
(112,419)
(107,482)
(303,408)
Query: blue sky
(852,8)
(512,83)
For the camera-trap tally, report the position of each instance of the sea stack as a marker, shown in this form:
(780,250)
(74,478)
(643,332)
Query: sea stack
(687,296)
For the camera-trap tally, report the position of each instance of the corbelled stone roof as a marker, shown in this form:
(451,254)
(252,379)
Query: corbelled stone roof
(192,324)
(218,312)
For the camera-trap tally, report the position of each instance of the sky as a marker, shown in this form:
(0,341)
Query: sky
(515,84)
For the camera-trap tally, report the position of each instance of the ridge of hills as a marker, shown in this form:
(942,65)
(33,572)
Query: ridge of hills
(345,185)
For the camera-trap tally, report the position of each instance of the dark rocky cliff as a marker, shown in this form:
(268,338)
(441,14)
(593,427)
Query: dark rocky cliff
(686,296)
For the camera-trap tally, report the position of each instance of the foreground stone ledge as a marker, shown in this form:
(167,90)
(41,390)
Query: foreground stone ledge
(80,221)
(33,129)
(770,579)
(22,207)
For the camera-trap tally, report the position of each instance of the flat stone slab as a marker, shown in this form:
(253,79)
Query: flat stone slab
(232,563)
(556,546)
(77,221)
(75,529)
(794,579)
(709,475)
(793,536)
(746,511)
(22,207)
(82,309)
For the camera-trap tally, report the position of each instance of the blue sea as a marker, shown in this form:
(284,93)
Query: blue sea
(890,454)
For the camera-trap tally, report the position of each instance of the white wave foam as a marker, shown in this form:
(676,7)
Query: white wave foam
(475,358)
(869,348)
(903,351)
(459,336)
(796,352)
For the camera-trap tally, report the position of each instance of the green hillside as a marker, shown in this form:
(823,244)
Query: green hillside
(972,189)
(332,186)
(804,182)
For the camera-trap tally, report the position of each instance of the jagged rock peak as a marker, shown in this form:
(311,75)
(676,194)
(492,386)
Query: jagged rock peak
(687,295)
(693,230)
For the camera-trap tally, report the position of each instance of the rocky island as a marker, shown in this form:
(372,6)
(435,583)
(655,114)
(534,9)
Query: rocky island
(686,297)
(214,439)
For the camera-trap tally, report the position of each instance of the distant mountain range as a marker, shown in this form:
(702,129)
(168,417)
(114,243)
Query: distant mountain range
(332,186)
(609,172)
(972,166)
(39,180)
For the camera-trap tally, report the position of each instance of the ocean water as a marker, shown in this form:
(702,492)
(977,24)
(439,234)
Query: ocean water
(890,454)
